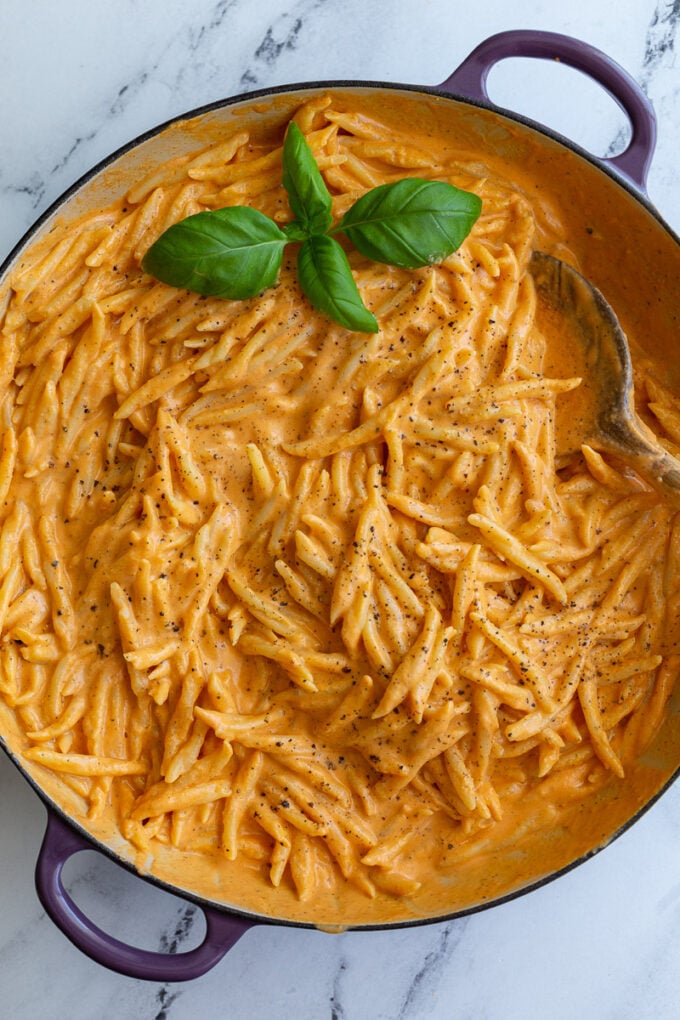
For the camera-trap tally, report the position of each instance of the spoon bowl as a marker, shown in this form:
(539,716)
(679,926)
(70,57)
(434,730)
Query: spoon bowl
(605,416)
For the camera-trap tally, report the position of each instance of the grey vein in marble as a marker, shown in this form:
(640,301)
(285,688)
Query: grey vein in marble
(426,979)
(33,188)
(271,47)
(164,999)
(171,941)
(337,1007)
(659,49)
(127,92)
(661,38)
(281,36)
(214,21)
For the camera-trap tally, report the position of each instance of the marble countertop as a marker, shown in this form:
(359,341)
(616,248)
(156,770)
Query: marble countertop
(82,77)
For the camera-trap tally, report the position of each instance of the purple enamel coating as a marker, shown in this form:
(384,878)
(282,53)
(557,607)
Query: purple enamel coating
(469,80)
(61,841)
(59,844)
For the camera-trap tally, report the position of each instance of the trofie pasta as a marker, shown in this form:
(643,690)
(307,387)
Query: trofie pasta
(318,610)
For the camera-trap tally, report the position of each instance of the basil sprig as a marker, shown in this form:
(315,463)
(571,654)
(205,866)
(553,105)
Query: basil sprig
(237,252)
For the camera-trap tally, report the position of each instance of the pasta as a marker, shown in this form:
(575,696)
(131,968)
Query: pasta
(319,605)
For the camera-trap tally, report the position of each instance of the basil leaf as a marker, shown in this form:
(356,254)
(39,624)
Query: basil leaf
(325,277)
(411,223)
(308,195)
(228,253)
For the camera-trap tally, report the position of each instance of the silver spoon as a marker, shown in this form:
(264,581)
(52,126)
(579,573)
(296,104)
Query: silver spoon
(603,413)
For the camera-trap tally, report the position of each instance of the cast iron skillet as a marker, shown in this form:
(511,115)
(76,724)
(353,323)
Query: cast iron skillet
(63,837)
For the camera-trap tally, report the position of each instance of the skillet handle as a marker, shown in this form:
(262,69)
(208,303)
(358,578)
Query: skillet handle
(470,78)
(59,844)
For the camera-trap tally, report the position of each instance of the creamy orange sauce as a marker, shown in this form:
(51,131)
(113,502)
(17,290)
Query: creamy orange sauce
(313,623)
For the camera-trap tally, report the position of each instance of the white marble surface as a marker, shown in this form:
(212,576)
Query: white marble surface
(81,77)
